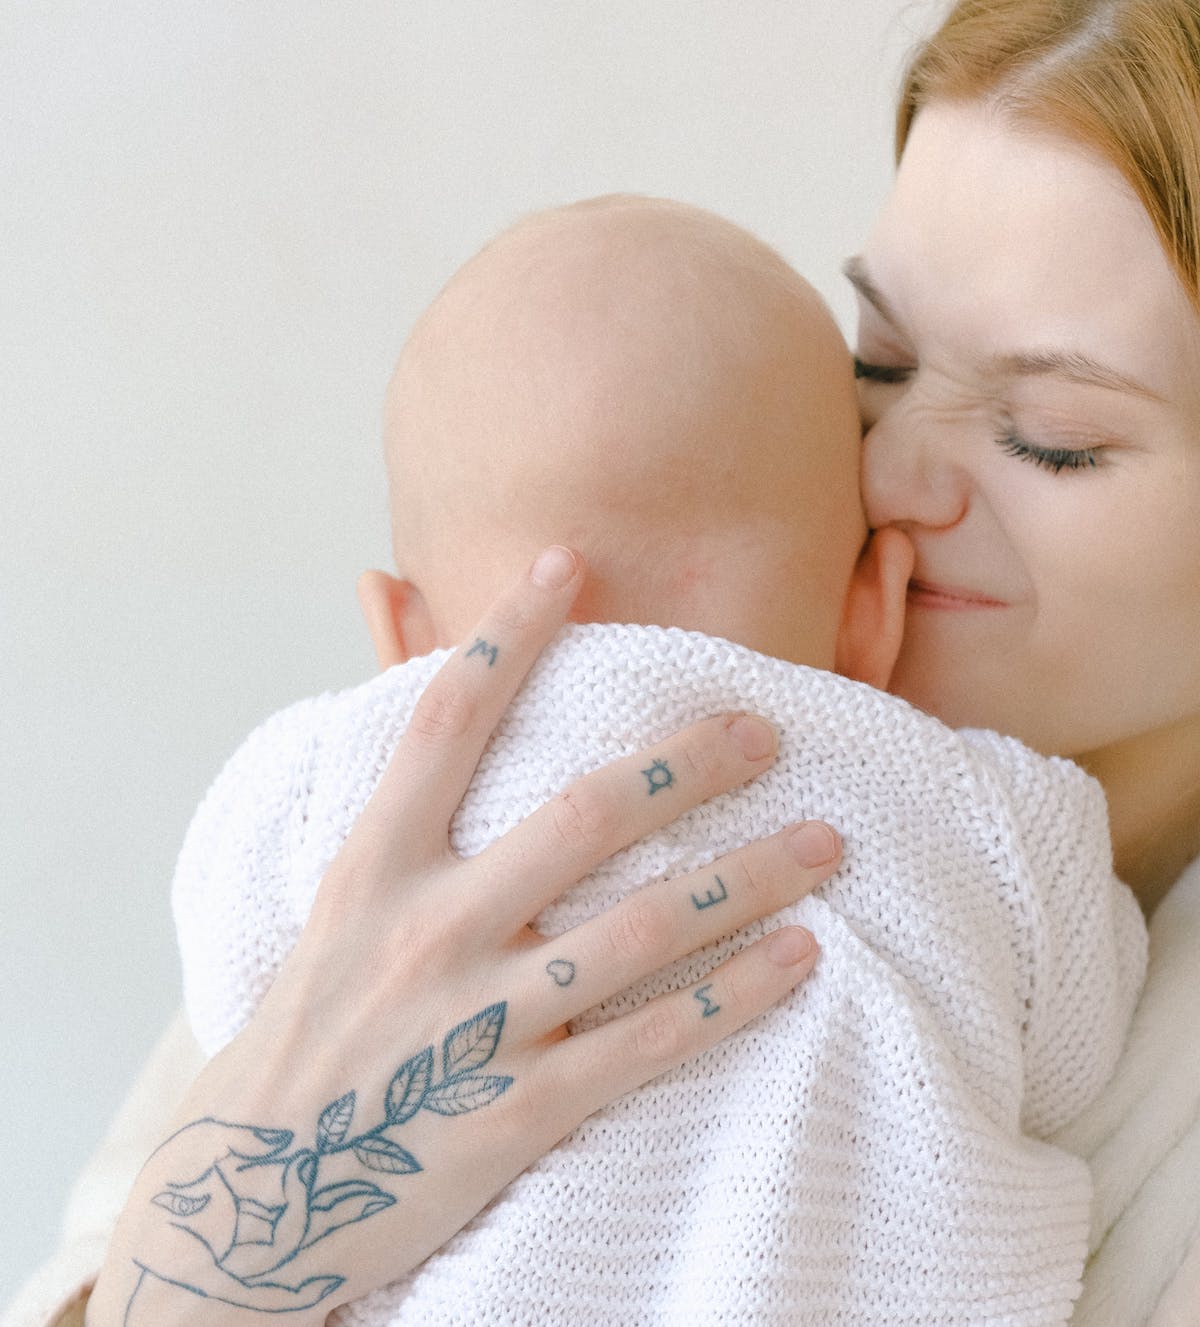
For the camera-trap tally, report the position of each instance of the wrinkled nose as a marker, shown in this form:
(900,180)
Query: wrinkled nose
(910,476)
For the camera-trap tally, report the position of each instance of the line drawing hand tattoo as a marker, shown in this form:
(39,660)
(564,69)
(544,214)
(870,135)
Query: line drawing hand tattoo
(658,776)
(702,994)
(257,1206)
(489,652)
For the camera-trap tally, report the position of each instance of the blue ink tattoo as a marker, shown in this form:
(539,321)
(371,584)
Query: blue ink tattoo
(658,776)
(702,994)
(253,1228)
(711,898)
(562,970)
(489,652)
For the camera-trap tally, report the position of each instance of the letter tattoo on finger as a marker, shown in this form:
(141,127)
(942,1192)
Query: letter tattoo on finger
(712,898)
(489,652)
(702,994)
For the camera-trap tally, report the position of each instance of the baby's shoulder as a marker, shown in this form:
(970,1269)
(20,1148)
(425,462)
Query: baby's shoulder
(265,785)
(1044,793)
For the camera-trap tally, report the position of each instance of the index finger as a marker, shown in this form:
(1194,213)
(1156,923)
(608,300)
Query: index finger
(433,762)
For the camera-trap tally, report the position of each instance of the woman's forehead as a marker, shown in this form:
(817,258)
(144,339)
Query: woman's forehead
(1009,241)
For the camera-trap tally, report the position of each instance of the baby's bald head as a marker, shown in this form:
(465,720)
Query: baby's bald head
(652,385)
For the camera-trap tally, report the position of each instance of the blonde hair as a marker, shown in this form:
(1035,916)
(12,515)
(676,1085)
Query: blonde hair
(1120,76)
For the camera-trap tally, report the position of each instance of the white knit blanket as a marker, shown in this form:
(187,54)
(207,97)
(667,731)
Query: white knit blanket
(1141,1137)
(869,1152)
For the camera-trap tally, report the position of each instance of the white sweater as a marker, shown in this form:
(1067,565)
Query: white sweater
(869,1152)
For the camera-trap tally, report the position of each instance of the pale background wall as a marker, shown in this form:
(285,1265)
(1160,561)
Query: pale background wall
(218,218)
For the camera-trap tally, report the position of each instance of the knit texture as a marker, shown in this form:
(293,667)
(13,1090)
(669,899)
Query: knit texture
(871,1151)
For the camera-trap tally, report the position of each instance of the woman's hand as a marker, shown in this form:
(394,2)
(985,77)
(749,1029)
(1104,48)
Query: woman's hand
(411,1058)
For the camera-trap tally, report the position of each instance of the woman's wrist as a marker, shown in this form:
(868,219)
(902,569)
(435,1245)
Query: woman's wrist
(160,1269)
(71,1314)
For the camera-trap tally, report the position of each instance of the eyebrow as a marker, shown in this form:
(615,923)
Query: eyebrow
(1069,364)
(1072,365)
(854,270)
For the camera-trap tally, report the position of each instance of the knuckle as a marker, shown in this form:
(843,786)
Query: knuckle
(760,885)
(739,988)
(422,953)
(525,1101)
(359,874)
(544,1106)
(581,818)
(442,713)
(512,616)
(398,954)
(702,758)
(659,1037)
(640,930)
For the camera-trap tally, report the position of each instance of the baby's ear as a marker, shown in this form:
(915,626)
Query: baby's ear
(397,618)
(873,618)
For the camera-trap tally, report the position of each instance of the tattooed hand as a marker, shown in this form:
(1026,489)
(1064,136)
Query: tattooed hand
(411,1057)
(245,1238)
(259,1203)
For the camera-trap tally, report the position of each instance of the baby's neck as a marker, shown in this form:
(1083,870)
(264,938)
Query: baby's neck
(1152,783)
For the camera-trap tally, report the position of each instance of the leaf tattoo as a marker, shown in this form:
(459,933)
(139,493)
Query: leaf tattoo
(473,1043)
(461,1095)
(334,1123)
(408,1087)
(249,1259)
(383,1154)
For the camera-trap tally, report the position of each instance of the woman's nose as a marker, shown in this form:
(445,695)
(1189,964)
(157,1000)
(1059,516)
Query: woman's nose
(908,477)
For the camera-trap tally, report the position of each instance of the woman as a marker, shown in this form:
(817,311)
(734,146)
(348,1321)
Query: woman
(1029,354)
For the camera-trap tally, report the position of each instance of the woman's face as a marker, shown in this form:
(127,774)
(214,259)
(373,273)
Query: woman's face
(1030,375)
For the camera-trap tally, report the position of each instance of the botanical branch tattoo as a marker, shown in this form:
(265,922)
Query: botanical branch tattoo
(259,1204)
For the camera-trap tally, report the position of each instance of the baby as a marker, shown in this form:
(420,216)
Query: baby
(654,386)
(649,384)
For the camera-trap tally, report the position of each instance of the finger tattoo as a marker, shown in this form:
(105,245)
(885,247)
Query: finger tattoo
(489,652)
(562,970)
(702,994)
(712,898)
(658,776)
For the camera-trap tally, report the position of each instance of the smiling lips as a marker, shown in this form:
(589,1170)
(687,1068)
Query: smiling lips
(950,598)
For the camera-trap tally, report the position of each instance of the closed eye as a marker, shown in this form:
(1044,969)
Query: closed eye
(880,372)
(1054,459)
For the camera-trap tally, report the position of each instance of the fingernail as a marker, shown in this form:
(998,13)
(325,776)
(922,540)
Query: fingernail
(553,568)
(814,844)
(789,947)
(754,737)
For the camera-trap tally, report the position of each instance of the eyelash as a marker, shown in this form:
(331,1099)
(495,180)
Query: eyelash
(1054,459)
(880,372)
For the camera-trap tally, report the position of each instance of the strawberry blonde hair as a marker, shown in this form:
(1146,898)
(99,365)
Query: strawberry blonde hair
(1120,76)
